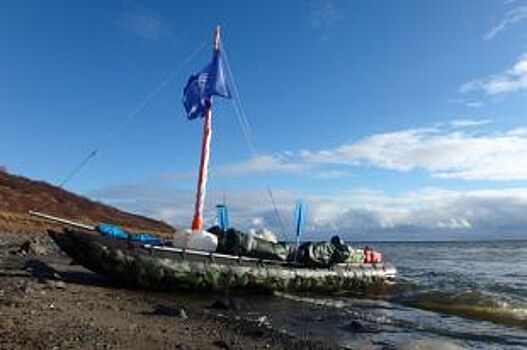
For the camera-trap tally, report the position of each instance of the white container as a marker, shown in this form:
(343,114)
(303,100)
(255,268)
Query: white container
(198,240)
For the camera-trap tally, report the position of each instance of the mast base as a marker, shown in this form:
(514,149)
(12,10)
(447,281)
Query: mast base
(196,224)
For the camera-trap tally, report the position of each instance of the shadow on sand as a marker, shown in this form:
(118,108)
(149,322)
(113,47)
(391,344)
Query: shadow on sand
(43,272)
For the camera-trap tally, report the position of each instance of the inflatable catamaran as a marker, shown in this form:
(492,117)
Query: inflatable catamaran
(220,257)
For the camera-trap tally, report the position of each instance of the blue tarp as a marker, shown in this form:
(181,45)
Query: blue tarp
(111,231)
(144,238)
(117,232)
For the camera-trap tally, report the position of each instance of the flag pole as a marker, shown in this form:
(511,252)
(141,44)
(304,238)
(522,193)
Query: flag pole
(197,222)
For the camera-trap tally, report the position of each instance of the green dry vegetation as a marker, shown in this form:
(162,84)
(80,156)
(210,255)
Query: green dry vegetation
(18,195)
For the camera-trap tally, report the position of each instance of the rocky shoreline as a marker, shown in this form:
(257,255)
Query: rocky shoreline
(46,302)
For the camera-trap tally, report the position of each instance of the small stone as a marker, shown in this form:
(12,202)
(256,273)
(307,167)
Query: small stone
(33,247)
(182,314)
(52,284)
(263,320)
(60,285)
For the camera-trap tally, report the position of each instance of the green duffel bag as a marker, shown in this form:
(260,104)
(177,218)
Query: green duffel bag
(324,254)
(238,243)
(356,256)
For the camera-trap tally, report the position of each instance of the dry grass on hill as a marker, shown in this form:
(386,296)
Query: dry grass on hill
(18,195)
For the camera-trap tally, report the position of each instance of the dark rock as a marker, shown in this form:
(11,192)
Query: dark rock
(254,332)
(221,344)
(163,310)
(355,326)
(230,304)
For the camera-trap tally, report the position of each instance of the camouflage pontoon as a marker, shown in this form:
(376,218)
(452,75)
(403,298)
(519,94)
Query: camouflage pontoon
(162,267)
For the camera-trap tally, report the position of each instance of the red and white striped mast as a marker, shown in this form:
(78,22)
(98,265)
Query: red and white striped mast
(197,222)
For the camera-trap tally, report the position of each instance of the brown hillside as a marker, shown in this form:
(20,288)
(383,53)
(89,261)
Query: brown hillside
(18,195)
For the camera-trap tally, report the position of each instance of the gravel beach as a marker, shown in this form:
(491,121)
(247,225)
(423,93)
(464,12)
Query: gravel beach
(47,302)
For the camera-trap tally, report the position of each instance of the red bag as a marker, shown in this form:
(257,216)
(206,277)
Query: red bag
(367,255)
(376,257)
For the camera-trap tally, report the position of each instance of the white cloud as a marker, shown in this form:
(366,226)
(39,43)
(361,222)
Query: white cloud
(521,132)
(511,18)
(448,154)
(146,25)
(468,102)
(331,174)
(512,80)
(261,164)
(464,123)
(459,149)
(428,213)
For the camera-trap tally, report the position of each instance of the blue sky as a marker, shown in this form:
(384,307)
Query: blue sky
(393,120)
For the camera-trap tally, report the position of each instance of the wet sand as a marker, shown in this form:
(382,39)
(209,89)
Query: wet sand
(46,302)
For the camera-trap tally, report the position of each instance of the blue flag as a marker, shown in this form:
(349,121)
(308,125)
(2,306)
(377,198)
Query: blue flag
(200,87)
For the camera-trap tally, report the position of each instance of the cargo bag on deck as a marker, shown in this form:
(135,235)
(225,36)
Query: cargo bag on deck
(325,254)
(238,243)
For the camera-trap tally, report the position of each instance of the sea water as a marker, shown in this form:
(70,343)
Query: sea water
(449,295)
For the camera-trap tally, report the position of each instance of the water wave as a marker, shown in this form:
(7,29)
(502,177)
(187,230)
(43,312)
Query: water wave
(473,305)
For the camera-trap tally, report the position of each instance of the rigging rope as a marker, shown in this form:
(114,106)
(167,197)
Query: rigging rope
(240,111)
(171,76)
(128,118)
(277,213)
(248,134)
